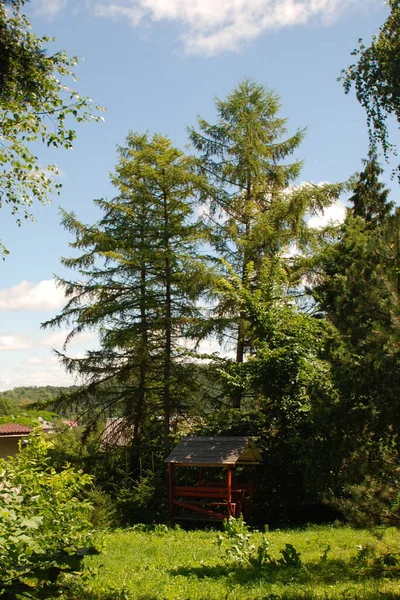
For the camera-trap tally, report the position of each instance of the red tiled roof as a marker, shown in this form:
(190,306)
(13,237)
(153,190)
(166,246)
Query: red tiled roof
(14,428)
(70,423)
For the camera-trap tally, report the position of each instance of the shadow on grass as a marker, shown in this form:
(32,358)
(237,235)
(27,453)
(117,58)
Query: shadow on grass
(328,573)
(244,576)
(306,595)
(287,595)
(343,595)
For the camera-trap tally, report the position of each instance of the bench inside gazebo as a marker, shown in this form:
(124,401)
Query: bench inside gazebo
(211,500)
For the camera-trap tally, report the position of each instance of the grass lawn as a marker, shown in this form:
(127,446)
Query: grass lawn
(172,564)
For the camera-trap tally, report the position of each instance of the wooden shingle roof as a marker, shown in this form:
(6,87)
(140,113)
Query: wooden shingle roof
(214,452)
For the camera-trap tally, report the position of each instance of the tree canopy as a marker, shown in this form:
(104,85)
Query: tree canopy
(375,77)
(37,104)
(220,244)
(254,208)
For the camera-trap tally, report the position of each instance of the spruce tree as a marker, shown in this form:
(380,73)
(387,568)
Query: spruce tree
(370,198)
(140,275)
(357,289)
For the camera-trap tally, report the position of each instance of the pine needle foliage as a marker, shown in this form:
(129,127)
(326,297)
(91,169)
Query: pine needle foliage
(254,207)
(140,276)
(370,198)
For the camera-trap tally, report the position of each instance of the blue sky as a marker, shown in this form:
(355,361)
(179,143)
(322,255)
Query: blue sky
(155,65)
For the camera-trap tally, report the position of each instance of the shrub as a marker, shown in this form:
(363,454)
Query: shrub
(373,497)
(104,513)
(240,549)
(44,525)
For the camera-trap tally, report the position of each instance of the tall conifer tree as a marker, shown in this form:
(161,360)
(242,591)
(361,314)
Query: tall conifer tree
(370,198)
(255,210)
(357,288)
(140,275)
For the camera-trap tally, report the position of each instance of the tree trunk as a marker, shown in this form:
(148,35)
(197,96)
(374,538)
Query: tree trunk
(168,333)
(237,394)
(141,394)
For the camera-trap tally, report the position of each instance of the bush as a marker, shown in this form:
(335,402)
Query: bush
(45,527)
(104,513)
(129,482)
(240,549)
(142,500)
(373,492)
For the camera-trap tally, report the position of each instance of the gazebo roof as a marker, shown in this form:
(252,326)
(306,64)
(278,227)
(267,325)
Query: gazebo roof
(214,452)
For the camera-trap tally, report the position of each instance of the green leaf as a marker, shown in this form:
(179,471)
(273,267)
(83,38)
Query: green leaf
(32,522)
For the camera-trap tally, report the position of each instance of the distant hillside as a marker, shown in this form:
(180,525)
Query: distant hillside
(30,394)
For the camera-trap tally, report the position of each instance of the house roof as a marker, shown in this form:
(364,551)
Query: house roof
(14,429)
(214,451)
(117,432)
(70,423)
(46,426)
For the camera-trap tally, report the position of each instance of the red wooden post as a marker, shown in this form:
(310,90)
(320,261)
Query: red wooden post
(229,486)
(171,490)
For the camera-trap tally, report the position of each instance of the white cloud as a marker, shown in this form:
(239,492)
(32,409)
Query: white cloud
(116,11)
(334,214)
(41,361)
(36,371)
(291,251)
(50,8)
(211,26)
(27,295)
(33,362)
(212,346)
(56,339)
(10,341)
(17,341)
(5,384)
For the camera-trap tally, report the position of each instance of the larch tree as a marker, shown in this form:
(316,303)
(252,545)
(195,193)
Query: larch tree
(255,208)
(140,276)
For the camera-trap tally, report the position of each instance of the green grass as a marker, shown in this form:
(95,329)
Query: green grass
(178,565)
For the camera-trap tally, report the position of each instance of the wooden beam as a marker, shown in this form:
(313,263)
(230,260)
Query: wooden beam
(229,486)
(171,491)
(203,511)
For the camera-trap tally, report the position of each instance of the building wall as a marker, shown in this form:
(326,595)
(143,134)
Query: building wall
(8,446)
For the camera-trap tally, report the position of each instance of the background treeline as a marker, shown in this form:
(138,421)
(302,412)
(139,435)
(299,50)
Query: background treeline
(24,405)
(34,394)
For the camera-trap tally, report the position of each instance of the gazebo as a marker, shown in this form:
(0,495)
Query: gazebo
(211,500)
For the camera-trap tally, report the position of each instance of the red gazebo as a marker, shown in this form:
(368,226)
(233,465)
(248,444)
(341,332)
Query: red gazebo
(211,500)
